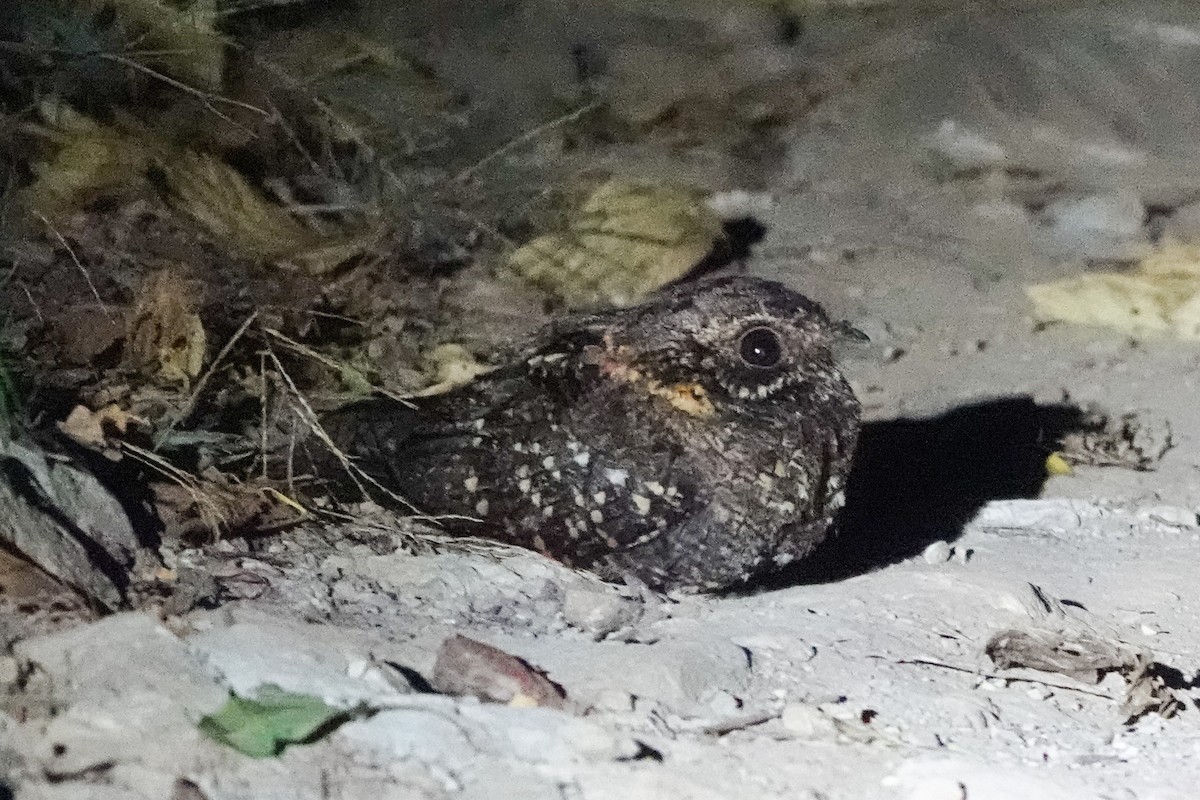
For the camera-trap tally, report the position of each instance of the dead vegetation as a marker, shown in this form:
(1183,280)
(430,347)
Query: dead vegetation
(215,226)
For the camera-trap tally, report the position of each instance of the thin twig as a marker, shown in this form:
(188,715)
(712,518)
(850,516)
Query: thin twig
(926,662)
(29,296)
(524,138)
(206,98)
(86,276)
(210,511)
(311,419)
(190,405)
(262,420)
(327,361)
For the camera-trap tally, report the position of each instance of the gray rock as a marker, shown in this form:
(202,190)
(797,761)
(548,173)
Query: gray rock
(311,659)
(1108,226)
(133,696)
(598,610)
(681,674)
(455,734)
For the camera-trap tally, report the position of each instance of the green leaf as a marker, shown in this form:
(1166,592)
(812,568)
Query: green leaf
(262,727)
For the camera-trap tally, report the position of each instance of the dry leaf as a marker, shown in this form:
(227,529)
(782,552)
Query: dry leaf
(219,198)
(452,366)
(1162,296)
(474,669)
(206,510)
(87,162)
(63,520)
(1057,465)
(164,331)
(624,242)
(92,428)
(178,39)
(240,216)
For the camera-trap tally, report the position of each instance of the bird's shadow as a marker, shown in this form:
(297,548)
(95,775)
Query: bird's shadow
(918,481)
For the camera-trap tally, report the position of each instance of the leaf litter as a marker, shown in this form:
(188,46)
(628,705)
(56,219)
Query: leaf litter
(227,235)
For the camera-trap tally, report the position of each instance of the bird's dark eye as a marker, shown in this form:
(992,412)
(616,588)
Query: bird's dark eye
(760,347)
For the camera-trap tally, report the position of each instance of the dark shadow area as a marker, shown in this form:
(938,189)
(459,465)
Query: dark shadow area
(741,235)
(917,481)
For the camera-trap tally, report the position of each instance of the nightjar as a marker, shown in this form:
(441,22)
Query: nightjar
(695,441)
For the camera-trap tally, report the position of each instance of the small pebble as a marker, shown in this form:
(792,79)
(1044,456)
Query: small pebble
(937,553)
(615,700)
(808,722)
(722,702)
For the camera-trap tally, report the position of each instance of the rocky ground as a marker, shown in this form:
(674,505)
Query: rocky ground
(979,628)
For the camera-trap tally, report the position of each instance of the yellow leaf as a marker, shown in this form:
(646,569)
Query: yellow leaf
(1057,465)
(86,162)
(1161,296)
(624,242)
(164,331)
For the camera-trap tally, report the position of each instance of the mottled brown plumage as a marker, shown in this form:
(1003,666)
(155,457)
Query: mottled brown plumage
(695,441)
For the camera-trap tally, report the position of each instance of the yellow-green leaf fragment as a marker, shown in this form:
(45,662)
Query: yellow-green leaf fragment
(625,241)
(264,726)
(1056,464)
(1160,296)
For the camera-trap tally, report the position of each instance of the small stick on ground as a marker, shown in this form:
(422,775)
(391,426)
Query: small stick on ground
(926,662)
(190,404)
(79,264)
(311,419)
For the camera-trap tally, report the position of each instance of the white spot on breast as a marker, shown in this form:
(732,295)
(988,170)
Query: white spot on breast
(583,458)
(616,477)
(523,471)
(524,485)
(596,516)
(518,447)
(655,488)
(780,469)
(536,498)
(479,423)
(477,441)
(837,500)
(548,511)
(599,497)
(471,484)
(548,462)
(579,501)
(481,508)
(642,504)
(556,475)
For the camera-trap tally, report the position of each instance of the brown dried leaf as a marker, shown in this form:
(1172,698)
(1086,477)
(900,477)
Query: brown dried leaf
(93,428)
(234,212)
(1149,692)
(164,334)
(205,510)
(241,217)
(1118,441)
(1086,656)
(1079,654)
(179,39)
(467,667)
